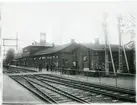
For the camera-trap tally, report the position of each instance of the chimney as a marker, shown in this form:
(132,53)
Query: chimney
(72,40)
(53,44)
(43,38)
(96,40)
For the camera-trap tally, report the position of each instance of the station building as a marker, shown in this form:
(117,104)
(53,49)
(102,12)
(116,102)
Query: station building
(81,56)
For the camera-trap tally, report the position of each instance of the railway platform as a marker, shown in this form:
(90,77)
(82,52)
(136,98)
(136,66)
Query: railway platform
(22,67)
(13,93)
(122,82)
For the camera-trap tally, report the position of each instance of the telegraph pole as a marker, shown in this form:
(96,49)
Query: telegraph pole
(120,46)
(17,41)
(10,45)
(106,45)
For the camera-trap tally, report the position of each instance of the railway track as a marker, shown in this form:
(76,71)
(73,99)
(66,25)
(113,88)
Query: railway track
(123,90)
(117,93)
(82,94)
(47,92)
(32,88)
(15,70)
(85,93)
(88,92)
(10,71)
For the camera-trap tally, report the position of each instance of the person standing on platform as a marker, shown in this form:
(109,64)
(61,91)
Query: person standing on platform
(50,67)
(74,65)
(53,66)
(47,67)
(35,64)
(40,67)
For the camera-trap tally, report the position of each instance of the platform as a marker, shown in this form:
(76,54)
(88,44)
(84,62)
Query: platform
(122,82)
(14,93)
(22,67)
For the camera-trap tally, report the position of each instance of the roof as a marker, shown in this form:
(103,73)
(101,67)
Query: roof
(100,47)
(40,45)
(52,50)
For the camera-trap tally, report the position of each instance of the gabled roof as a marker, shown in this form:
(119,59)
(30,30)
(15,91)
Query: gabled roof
(42,44)
(52,50)
(100,47)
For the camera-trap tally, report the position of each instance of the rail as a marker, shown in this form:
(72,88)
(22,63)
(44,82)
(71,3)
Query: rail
(93,88)
(124,80)
(36,91)
(43,95)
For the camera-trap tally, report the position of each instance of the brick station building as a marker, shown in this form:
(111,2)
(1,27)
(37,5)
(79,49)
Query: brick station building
(72,55)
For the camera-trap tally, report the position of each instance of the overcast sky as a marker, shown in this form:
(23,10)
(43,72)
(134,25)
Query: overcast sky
(63,21)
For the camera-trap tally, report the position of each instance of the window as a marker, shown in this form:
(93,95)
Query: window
(65,61)
(43,57)
(85,58)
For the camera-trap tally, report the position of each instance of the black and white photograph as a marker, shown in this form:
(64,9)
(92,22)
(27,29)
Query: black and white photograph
(68,52)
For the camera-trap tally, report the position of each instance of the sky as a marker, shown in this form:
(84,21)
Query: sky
(62,21)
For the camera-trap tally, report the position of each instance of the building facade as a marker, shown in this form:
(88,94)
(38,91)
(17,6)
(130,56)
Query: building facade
(73,56)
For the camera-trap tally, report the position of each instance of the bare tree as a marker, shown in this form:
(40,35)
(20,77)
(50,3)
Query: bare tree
(10,55)
(126,28)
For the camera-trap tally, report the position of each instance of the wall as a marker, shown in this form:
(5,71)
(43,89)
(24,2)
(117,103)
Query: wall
(81,56)
(66,59)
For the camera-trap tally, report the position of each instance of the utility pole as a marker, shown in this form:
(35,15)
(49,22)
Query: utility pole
(106,45)
(17,41)
(111,56)
(120,47)
(126,59)
(10,45)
